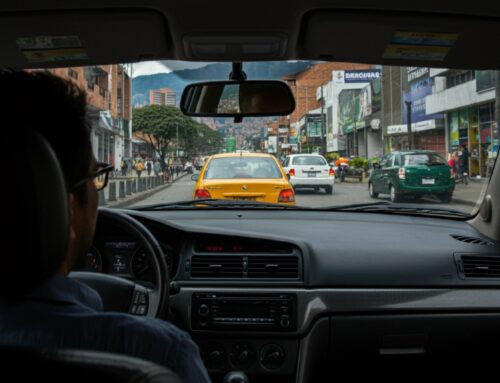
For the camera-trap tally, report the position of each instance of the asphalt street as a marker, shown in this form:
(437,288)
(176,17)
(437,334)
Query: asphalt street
(350,192)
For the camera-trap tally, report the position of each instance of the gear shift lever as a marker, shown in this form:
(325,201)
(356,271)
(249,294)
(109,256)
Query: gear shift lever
(235,377)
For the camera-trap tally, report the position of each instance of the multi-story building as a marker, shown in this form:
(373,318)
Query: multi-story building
(163,96)
(108,89)
(466,99)
(304,86)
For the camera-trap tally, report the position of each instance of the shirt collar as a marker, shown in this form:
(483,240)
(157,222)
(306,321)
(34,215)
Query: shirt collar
(64,290)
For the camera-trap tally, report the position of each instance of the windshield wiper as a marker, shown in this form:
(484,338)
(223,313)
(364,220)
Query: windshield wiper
(389,208)
(216,204)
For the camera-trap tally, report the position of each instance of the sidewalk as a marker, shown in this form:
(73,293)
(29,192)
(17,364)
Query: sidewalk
(470,194)
(124,191)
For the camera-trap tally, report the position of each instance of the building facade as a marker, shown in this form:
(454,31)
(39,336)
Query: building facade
(163,96)
(108,90)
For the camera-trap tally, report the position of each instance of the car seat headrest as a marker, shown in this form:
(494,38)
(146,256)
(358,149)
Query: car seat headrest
(37,216)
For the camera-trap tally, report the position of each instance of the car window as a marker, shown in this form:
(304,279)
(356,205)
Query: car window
(424,159)
(242,167)
(397,162)
(388,162)
(309,160)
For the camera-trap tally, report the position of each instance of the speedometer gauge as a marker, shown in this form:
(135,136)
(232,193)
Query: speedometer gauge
(93,260)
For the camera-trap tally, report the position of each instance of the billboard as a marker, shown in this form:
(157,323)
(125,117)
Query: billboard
(419,90)
(313,123)
(349,111)
(272,144)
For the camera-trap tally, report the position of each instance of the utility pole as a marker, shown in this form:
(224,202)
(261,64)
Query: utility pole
(176,141)
(323,135)
(408,121)
(355,134)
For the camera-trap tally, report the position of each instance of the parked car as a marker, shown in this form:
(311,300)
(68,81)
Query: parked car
(244,176)
(310,171)
(412,173)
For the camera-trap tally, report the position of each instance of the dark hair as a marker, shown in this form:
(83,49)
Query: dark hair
(57,109)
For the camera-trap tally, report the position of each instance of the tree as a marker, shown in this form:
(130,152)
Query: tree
(161,124)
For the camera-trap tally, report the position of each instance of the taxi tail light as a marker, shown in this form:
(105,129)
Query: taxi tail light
(286,195)
(402,173)
(202,194)
(291,172)
(331,172)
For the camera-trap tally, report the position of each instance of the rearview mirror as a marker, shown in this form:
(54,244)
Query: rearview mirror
(194,177)
(246,98)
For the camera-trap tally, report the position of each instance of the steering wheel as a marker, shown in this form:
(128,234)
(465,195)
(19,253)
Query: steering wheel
(122,295)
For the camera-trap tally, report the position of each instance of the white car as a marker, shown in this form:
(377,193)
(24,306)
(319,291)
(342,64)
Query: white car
(309,171)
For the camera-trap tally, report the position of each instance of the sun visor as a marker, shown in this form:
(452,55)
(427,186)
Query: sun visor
(401,39)
(58,39)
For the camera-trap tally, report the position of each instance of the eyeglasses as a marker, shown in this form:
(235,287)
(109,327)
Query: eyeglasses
(100,177)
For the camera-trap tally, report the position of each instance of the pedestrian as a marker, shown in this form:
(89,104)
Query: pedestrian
(149,166)
(123,167)
(452,163)
(157,167)
(139,167)
(464,160)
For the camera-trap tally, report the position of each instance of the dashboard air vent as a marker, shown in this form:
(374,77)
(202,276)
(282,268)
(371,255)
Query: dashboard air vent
(472,240)
(273,267)
(209,266)
(480,266)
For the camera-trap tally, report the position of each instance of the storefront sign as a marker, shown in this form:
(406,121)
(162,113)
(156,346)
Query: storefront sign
(355,76)
(416,127)
(415,73)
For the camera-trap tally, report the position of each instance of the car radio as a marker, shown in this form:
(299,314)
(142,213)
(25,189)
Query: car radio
(262,312)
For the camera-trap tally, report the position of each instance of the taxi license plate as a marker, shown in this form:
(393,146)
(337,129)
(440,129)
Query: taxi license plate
(311,174)
(428,181)
(246,198)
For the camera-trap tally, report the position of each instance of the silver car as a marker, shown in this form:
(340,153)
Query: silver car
(309,171)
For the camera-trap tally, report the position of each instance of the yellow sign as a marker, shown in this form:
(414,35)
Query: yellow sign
(416,52)
(49,55)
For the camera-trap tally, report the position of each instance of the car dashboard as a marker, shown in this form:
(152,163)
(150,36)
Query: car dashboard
(293,295)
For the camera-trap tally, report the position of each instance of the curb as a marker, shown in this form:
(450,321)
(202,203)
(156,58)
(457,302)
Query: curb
(463,201)
(143,195)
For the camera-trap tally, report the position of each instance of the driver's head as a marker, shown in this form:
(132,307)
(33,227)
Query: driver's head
(57,109)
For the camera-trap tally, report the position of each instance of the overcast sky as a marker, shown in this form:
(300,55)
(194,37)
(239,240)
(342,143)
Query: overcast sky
(154,67)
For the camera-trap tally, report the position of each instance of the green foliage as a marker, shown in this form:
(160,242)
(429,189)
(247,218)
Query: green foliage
(162,125)
(332,157)
(359,162)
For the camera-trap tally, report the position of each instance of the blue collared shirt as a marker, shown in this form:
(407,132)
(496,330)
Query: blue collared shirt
(64,313)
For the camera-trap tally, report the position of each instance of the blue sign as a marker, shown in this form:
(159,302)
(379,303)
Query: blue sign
(419,90)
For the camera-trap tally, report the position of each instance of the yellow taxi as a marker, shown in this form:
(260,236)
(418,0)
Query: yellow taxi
(244,176)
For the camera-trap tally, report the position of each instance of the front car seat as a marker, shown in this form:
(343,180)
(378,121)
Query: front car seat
(37,214)
(79,366)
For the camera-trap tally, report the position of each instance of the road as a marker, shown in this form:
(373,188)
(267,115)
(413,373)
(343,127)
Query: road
(343,194)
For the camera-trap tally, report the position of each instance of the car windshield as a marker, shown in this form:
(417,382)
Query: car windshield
(242,167)
(375,120)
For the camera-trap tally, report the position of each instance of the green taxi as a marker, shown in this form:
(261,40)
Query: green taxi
(412,173)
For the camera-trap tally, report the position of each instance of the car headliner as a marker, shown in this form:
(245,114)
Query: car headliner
(158,30)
